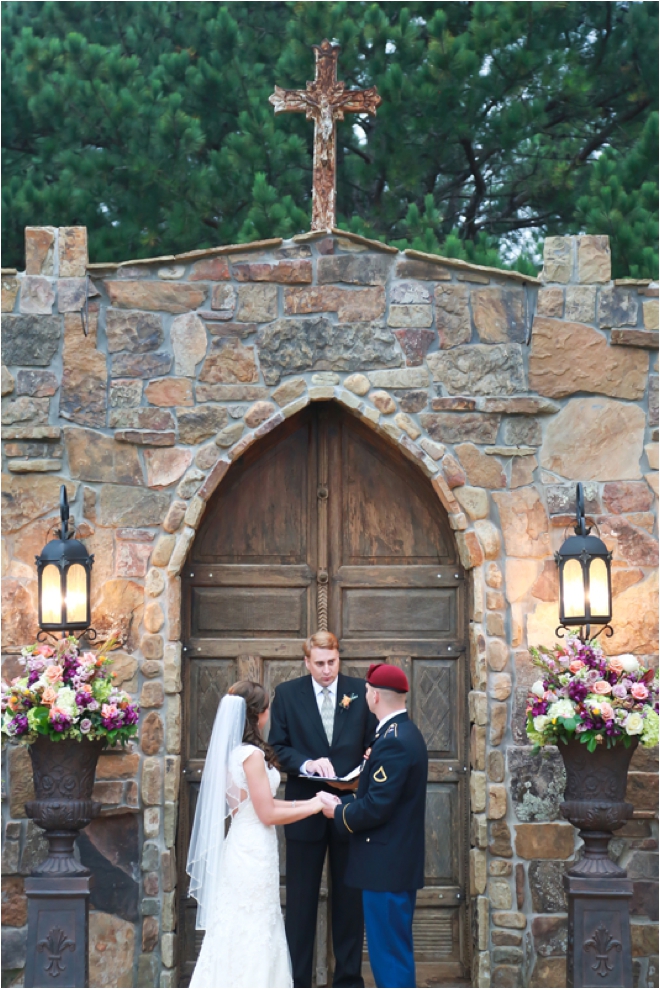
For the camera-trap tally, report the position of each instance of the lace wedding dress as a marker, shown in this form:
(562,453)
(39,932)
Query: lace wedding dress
(245,944)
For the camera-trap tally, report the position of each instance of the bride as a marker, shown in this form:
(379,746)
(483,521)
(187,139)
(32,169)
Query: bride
(235,879)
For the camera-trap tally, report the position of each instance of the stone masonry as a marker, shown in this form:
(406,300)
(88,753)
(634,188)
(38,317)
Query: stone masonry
(140,383)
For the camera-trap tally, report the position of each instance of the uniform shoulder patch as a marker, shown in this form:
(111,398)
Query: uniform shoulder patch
(393,730)
(380,776)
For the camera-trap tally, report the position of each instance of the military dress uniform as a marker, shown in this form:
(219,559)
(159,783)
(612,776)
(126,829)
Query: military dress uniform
(384,824)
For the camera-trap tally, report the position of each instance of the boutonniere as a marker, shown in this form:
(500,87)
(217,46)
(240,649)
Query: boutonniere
(346,701)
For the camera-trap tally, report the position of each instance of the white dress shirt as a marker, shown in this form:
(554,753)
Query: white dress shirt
(388,717)
(318,693)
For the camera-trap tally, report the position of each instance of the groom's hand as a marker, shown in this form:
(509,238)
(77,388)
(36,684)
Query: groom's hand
(329,802)
(320,767)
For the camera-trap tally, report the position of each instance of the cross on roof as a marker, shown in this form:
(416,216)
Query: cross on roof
(325,100)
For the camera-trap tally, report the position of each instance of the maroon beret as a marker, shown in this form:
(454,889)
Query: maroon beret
(388,677)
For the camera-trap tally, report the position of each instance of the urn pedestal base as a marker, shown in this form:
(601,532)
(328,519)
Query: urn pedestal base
(58,930)
(599,945)
(58,889)
(598,892)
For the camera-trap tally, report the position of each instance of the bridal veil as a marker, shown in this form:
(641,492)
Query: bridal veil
(218,798)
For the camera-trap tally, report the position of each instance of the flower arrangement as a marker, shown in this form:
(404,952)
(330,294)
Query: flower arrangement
(66,693)
(598,699)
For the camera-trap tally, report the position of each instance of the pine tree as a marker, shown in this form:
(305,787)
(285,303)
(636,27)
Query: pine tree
(149,123)
(622,202)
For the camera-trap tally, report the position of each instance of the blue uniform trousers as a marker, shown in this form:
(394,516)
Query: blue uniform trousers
(388,921)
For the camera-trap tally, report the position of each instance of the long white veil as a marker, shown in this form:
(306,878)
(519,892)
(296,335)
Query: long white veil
(215,802)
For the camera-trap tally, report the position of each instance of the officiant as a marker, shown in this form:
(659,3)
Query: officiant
(320,727)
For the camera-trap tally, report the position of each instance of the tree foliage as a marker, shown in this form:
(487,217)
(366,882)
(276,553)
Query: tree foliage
(503,122)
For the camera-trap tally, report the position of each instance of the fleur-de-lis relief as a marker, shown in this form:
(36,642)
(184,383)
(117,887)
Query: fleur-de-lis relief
(602,943)
(55,943)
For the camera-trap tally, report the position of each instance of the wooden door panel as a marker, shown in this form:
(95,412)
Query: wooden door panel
(249,611)
(442,862)
(388,516)
(398,613)
(277,671)
(209,681)
(437,708)
(260,514)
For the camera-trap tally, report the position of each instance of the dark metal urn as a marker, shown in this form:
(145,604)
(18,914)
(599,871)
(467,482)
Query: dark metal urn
(599,945)
(58,890)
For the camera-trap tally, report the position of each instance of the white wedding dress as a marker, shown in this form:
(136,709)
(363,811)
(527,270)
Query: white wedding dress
(245,944)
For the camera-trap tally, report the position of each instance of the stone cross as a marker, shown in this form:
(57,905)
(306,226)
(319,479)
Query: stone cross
(325,101)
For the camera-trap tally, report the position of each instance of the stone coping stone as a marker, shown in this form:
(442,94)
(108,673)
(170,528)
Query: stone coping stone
(312,235)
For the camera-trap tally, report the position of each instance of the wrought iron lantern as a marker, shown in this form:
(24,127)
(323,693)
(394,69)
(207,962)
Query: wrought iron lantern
(64,570)
(585,583)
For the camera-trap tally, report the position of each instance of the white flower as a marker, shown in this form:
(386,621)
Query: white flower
(561,709)
(66,701)
(538,688)
(540,722)
(629,663)
(564,678)
(634,723)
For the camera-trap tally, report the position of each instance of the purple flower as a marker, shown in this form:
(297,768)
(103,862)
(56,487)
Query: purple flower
(577,690)
(618,690)
(60,722)
(93,705)
(85,726)
(83,698)
(131,715)
(20,724)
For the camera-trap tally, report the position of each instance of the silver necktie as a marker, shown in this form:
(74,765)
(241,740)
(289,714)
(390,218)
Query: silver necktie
(327,714)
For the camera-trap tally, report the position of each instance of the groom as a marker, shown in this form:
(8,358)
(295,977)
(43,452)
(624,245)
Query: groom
(320,726)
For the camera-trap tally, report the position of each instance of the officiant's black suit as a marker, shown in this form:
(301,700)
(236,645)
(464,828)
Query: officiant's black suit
(297,734)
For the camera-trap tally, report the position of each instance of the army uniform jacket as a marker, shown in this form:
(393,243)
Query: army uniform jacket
(384,820)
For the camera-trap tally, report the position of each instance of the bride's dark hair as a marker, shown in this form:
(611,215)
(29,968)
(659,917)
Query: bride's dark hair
(256,702)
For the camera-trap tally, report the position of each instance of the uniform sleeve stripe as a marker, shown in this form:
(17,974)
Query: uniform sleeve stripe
(343,815)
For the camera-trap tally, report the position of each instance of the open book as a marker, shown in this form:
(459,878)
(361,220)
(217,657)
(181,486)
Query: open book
(341,779)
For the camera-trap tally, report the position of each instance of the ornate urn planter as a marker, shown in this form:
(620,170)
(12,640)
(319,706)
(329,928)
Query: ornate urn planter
(58,890)
(63,782)
(599,946)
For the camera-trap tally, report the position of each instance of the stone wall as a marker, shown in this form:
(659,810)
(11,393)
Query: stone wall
(140,383)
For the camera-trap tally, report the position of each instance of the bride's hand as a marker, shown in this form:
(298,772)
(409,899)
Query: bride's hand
(316,804)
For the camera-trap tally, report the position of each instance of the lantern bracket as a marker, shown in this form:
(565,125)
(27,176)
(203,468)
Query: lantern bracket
(43,635)
(64,514)
(581,528)
(583,632)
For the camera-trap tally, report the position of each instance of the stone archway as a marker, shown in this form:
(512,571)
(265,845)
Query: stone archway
(323,523)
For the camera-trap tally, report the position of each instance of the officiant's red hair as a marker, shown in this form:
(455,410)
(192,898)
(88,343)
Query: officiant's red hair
(320,640)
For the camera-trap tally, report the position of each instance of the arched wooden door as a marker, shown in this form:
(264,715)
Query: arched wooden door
(325,525)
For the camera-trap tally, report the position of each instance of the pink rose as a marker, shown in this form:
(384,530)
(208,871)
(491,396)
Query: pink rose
(576,665)
(49,695)
(606,711)
(639,691)
(616,665)
(53,674)
(109,711)
(602,687)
